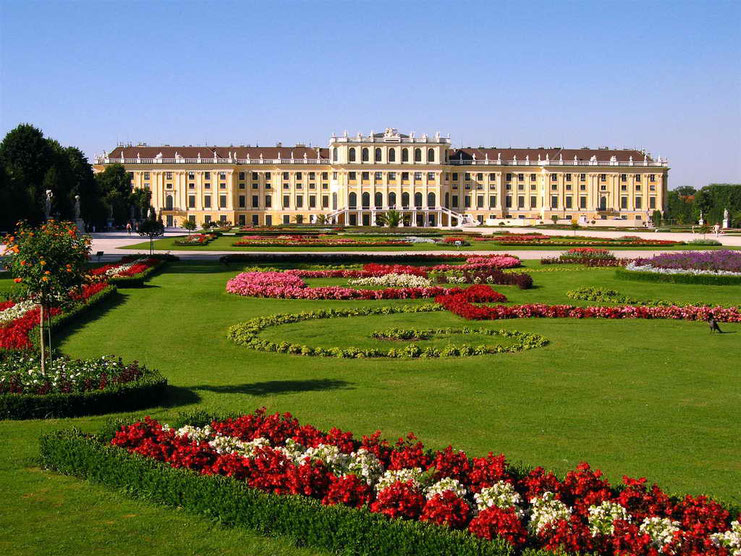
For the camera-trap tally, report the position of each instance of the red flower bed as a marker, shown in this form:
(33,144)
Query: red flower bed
(128,266)
(463,306)
(484,495)
(311,241)
(15,334)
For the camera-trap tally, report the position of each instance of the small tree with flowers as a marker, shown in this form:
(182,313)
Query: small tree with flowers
(48,265)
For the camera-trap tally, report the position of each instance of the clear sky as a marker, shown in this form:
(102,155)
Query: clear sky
(665,76)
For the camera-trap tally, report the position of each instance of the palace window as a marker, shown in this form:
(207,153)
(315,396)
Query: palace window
(639,203)
(334,154)
(480,177)
(583,203)
(568,187)
(405,176)
(242,201)
(207,202)
(568,177)
(191,186)
(334,175)
(533,202)
(168,186)
(417,155)
(377,155)
(267,176)
(417,175)
(392,176)
(325,201)
(638,187)
(286,201)
(241,175)
(206,175)
(554,187)
(405,155)
(286,186)
(554,201)
(392,155)
(312,201)
(623,203)
(455,201)
(241,186)
(191,201)
(554,177)
(378,176)
(325,176)
(299,176)
(255,186)
(222,201)
(467,201)
(492,177)
(509,177)
(532,177)
(492,201)
(532,187)
(430,176)
(623,177)
(255,175)
(312,176)
(638,177)
(652,177)
(652,202)
(582,177)
(221,186)
(603,177)
(467,176)
(255,201)
(146,175)
(168,175)
(365,176)
(455,176)
(312,186)
(222,175)
(430,155)
(520,177)
(351,176)
(569,203)
(191,175)
(299,201)
(268,201)
(207,185)
(365,154)
(521,202)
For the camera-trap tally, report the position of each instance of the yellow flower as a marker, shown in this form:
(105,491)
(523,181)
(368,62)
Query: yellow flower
(43,263)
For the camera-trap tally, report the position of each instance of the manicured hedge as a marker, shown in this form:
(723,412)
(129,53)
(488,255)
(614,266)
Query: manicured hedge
(230,502)
(137,281)
(707,280)
(145,392)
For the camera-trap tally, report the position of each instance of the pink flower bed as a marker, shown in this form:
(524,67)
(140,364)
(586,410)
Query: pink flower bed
(288,285)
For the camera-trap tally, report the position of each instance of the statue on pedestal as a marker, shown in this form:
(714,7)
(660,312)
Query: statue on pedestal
(726,219)
(702,220)
(79,221)
(47,204)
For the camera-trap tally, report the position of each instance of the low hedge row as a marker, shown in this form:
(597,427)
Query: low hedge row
(230,502)
(137,281)
(336,258)
(145,392)
(704,279)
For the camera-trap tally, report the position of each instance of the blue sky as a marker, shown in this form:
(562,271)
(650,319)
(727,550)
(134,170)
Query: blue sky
(665,76)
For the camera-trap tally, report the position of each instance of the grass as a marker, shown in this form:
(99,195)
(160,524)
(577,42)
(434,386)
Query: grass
(644,398)
(224,243)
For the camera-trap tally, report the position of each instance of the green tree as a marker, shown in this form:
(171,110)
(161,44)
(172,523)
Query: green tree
(151,228)
(189,224)
(92,206)
(390,218)
(115,184)
(48,264)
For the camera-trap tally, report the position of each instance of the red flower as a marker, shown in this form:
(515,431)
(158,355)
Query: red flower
(497,522)
(446,509)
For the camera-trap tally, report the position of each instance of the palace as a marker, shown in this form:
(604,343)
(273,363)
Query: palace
(359,177)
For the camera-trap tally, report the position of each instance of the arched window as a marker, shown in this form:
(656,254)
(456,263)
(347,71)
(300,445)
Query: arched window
(352,200)
(392,155)
(430,155)
(405,155)
(378,155)
(431,200)
(168,202)
(392,199)
(418,200)
(334,201)
(405,200)
(351,155)
(378,200)
(417,155)
(334,155)
(603,203)
(366,200)
(365,154)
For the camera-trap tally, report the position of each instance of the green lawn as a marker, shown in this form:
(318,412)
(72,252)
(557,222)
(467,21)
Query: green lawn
(643,398)
(225,243)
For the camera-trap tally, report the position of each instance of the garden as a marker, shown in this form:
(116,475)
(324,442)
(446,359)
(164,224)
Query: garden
(400,239)
(511,374)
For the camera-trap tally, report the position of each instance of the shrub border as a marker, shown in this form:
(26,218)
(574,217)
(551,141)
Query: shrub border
(704,279)
(246,334)
(137,280)
(306,521)
(145,392)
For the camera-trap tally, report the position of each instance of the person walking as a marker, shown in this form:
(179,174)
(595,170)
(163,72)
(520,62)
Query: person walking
(128,227)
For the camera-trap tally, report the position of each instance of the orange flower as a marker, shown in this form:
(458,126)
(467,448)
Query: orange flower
(43,263)
(23,263)
(18,280)
(44,278)
(47,272)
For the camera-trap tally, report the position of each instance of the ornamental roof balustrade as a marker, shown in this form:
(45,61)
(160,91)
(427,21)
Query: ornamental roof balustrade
(659,163)
(182,160)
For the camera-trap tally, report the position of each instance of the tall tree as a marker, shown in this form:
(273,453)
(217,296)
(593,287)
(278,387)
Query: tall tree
(115,183)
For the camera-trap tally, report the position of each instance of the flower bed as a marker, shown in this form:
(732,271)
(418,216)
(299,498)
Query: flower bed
(130,271)
(195,239)
(19,333)
(691,267)
(465,308)
(602,295)
(74,387)
(316,241)
(588,256)
(575,241)
(331,480)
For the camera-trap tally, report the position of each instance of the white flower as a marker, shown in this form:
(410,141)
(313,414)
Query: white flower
(731,539)
(660,529)
(698,272)
(546,510)
(446,484)
(502,495)
(601,518)
(330,455)
(16,311)
(196,434)
(365,466)
(393,280)
(403,475)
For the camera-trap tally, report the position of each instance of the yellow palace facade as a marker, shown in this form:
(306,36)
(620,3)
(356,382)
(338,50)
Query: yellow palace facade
(358,177)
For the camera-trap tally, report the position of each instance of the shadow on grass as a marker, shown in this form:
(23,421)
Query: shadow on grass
(176,396)
(60,335)
(279,387)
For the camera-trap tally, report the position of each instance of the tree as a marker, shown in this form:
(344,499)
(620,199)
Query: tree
(48,264)
(299,219)
(390,218)
(656,218)
(115,184)
(555,219)
(321,219)
(189,224)
(151,228)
